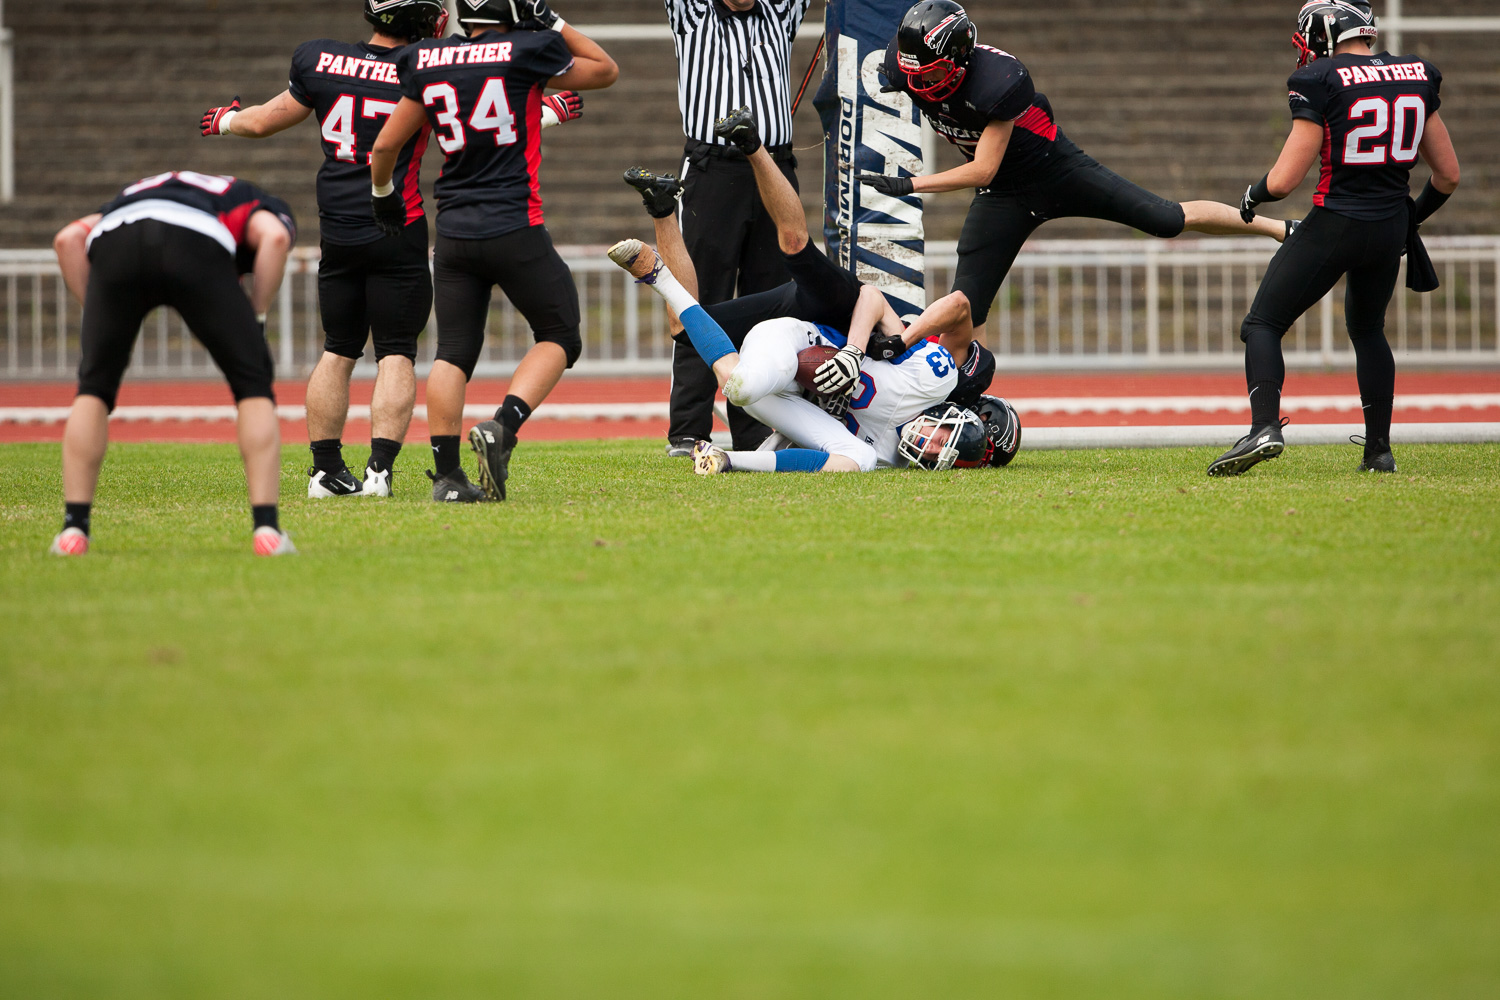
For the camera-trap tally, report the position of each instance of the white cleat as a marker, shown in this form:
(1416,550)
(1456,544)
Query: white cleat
(637,258)
(377,484)
(321,485)
(70,542)
(709,459)
(270,542)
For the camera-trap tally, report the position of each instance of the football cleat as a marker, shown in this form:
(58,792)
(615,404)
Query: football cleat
(342,483)
(70,542)
(738,128)
(709,459)
(1378,457)
(454,488)
(637,258)
(659,192)
(269,541)
(493,442)
(680,448)
(377,484)
(1260,444)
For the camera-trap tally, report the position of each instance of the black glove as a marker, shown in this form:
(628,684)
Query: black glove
(896,187)
(390,213)
(213,118)
(1255,194)
(883,348)
(537,16)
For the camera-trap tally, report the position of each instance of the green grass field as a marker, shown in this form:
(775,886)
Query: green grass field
(1091,726)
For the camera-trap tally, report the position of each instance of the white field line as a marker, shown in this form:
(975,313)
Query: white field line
(659,410)
(1221,435)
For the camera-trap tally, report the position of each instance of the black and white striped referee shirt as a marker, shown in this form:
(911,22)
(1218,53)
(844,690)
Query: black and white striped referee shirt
(727,60)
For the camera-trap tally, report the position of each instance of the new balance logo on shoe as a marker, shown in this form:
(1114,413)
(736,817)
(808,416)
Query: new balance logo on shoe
(452,495)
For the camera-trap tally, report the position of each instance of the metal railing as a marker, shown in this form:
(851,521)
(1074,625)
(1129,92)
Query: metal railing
(1067,304)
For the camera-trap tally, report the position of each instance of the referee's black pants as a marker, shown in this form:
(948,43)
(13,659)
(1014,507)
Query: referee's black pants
(732,242)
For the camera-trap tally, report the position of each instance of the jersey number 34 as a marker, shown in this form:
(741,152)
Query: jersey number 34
(491,114)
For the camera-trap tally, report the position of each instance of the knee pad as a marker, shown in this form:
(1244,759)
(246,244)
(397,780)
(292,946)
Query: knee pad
(101,388)
(570,340)
(461,358)
(1165,221)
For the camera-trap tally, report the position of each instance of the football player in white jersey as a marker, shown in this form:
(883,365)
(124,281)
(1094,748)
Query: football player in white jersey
(898,414)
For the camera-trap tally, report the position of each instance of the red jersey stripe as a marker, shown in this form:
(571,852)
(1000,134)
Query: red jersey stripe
(1038,122)
(534,153)
(412,189)
(1325,178)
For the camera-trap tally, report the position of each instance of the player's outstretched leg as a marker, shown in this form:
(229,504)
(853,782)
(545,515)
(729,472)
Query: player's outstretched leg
(709,459)
(708,338)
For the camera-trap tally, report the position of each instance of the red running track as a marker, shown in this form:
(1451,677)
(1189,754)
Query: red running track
(1017,388)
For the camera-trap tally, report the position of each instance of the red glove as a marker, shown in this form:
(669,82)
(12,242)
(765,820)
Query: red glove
(213,118)
(564,106)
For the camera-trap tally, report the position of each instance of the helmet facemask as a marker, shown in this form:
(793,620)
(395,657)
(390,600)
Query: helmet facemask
(943,437)
(919,77)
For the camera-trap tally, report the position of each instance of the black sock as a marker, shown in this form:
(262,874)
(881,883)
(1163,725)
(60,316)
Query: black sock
(513,413)
(1378,425)
(445,453)
(1265,404)
(383,452)
(264,516)
(328,454)
(76,515)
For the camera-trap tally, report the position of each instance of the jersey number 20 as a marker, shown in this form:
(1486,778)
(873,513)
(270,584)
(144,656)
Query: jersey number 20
(491,114)
(1389,126)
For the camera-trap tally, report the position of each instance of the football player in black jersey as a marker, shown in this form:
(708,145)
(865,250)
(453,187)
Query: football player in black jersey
(1368,118)
(369,284)
(1024,170)
(179,239)
(482,95)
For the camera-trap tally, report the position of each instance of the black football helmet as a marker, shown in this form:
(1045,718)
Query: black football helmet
(943,437)
(1002,425)
(412,20)
(933,47)
(1323,24)
(510,12)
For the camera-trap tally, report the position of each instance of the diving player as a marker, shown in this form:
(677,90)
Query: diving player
(179,239)
(369,284)
(898,416)
(482,95)
(1369,117)
(1023,169)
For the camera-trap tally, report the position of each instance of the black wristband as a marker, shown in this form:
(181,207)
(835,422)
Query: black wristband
(1260,194)
(1429,201)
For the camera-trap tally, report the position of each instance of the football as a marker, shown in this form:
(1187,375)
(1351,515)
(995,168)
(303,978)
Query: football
(809,360)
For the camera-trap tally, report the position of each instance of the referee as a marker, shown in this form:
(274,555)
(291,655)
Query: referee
(730,54)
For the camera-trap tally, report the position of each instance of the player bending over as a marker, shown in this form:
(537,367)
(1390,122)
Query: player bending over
(1369,118)
(182,240)
(1023,169)
(898,416)
(482,96)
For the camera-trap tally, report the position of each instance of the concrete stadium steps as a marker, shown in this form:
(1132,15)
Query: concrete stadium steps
(1185,98)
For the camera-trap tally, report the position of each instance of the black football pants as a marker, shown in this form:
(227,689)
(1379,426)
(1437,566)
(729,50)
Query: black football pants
(1074,185)
(143,265)
(732,242)
(1326,247)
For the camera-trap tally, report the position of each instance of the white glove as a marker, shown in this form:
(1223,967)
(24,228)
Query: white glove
(840,373)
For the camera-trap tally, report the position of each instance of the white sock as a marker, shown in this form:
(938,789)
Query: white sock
(752,461)
(669,288)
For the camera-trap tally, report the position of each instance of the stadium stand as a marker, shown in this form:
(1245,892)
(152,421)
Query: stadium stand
(1184,97)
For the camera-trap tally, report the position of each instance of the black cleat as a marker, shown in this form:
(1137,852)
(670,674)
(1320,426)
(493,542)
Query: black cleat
(321,484)
(493,443)
(1378,457)
(660,192)
(681,447)
(739,128)
(1260,444)
(454,488)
